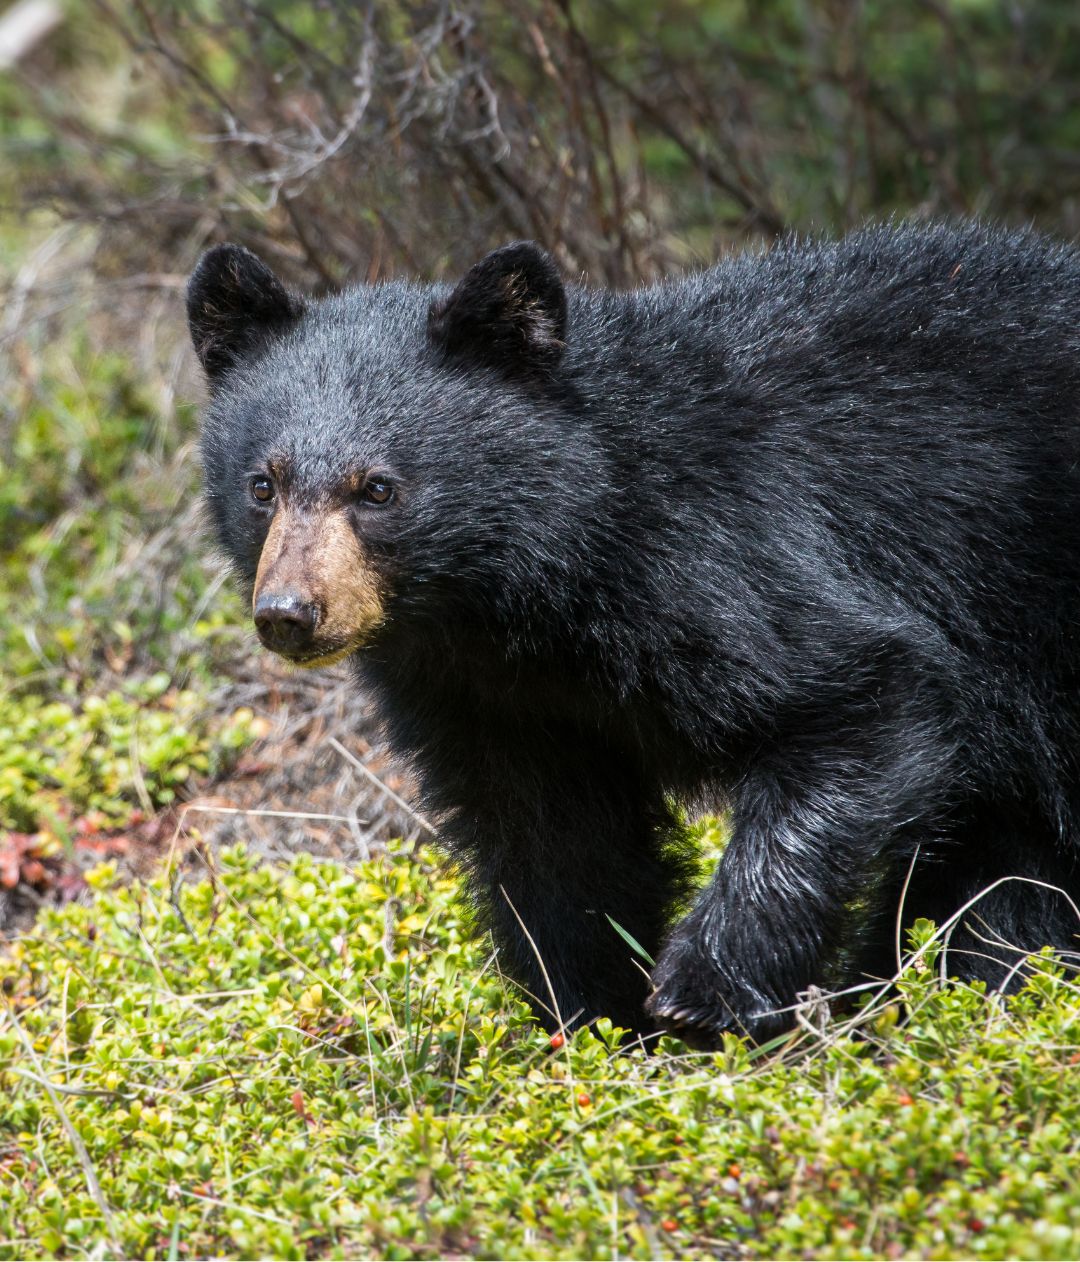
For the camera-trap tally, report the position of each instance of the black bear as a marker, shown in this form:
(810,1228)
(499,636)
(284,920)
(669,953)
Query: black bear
(799,535)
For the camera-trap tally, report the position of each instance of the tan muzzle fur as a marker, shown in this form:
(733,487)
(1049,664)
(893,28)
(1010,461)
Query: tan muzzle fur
(314,554)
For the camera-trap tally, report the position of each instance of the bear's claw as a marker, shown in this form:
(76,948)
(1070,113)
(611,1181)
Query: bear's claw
(696,1026)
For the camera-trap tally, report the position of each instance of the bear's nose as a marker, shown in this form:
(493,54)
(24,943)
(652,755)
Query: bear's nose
(285,623)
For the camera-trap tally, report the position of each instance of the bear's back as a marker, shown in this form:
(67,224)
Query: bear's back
(893,417)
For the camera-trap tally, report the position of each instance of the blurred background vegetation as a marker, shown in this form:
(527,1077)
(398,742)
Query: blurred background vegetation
(351,140)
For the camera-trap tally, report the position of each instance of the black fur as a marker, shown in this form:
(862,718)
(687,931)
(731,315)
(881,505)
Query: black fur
(799,534)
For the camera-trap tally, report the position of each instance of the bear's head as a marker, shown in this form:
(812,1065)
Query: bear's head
(397,451)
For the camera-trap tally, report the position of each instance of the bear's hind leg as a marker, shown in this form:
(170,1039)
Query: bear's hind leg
(1023,887)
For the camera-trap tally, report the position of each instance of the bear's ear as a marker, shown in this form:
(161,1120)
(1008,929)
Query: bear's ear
(233,302)
(508,311)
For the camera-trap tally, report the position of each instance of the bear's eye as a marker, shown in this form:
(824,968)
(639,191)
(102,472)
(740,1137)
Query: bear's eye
(262,489)
(377,490)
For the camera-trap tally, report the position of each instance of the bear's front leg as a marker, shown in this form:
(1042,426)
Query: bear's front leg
(812,836)
(558,838)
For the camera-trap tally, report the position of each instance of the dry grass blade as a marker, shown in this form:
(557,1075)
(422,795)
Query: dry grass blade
(92,1184)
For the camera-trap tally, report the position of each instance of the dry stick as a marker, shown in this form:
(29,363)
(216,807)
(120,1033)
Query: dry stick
(83,1156)
(997,941)
(766,216)
(943,935)
(239,810)
(384,788)
(626,248)
(137,778)
(237,1207)
(77,1091)
(461,1033)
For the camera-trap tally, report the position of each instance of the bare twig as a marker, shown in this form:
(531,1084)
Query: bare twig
(382,786)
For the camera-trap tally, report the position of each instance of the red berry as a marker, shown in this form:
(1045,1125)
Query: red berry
(557,1041)
(976,1224)
(584,1099)
(734,1170)
(904,1098)
(669,1224)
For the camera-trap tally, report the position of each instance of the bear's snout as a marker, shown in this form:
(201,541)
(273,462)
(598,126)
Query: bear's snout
(316,598)
(285,623)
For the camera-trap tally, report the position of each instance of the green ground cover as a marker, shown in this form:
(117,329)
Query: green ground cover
(317,1062)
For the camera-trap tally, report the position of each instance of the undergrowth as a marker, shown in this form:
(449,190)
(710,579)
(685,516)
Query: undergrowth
(112,623)
(106,753)
(316,1062)
(99,520)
